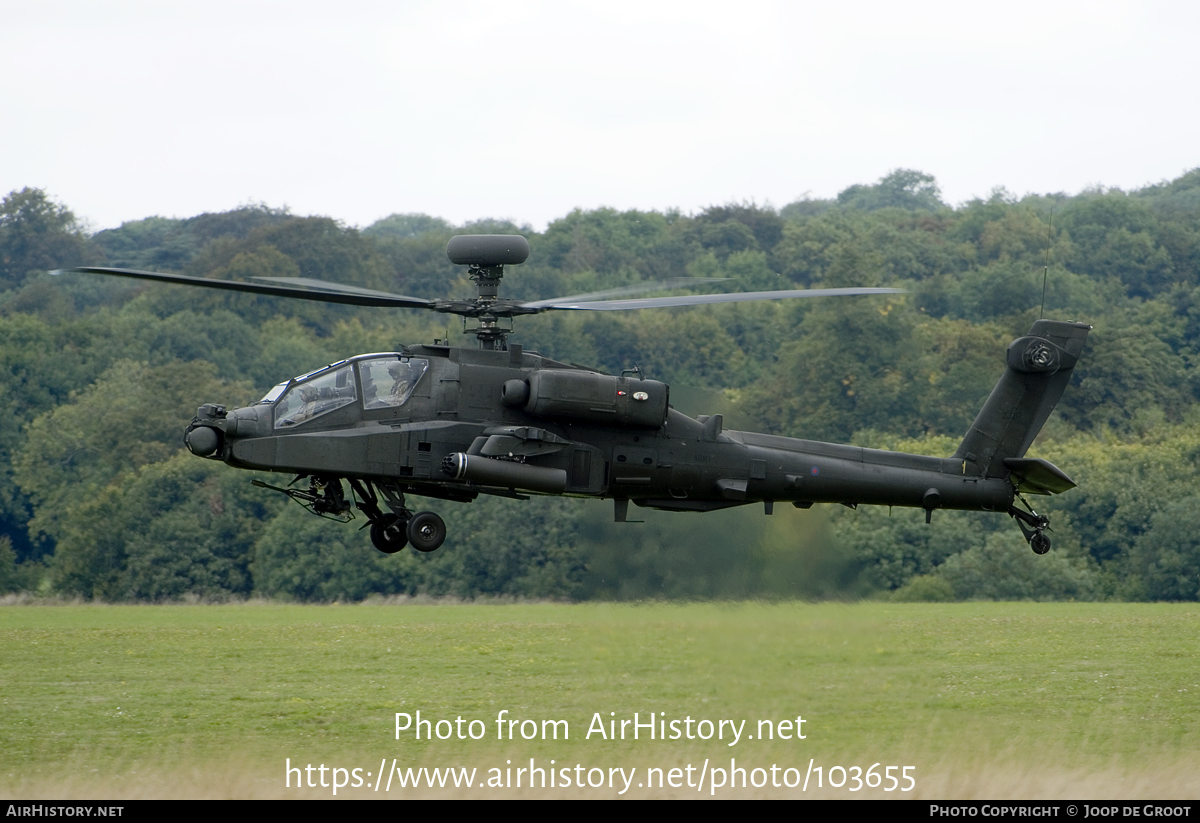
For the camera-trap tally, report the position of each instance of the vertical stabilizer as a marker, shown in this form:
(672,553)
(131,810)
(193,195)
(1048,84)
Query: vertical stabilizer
(1039,368)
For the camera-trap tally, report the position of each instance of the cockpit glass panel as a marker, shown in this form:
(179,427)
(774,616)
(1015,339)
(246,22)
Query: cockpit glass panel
(273,394)
(389,381)
(320,395)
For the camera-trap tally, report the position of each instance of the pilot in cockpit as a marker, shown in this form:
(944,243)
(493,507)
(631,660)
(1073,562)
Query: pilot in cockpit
(309,395)
(401,377)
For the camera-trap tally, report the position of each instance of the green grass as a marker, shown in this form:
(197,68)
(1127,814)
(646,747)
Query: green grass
(118,698)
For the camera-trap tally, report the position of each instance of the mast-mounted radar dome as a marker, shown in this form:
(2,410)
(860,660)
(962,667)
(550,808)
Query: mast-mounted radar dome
(487,250)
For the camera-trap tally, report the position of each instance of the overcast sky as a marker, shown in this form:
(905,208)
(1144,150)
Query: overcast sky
(526,110)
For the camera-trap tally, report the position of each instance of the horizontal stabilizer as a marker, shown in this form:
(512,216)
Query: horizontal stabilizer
(1033,475)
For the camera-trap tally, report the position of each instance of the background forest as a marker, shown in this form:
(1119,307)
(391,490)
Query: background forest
(99,378)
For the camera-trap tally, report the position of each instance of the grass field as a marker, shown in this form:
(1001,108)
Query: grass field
(983,700)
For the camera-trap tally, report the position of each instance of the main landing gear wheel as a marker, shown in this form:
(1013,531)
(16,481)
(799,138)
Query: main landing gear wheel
(1033,526)
(426,531)
(389,533)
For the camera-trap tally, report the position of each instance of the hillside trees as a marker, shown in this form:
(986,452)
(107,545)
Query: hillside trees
(132,416)
(166,244)
(99,380)
(901,189)
(180,526)
(37,234)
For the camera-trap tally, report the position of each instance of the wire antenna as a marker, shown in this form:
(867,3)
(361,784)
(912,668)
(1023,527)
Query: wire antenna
(1046,270)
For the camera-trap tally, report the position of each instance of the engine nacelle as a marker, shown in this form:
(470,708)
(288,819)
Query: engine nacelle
(597,398)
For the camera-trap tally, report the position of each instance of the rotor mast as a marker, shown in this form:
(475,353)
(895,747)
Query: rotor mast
(489,333)
(486,255)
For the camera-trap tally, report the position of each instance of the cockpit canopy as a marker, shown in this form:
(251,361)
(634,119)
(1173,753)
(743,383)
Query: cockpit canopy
(387,381)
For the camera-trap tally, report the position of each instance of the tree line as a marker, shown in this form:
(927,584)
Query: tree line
(100,376)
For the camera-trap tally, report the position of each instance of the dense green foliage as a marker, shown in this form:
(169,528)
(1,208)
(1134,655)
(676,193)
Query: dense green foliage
(100,377)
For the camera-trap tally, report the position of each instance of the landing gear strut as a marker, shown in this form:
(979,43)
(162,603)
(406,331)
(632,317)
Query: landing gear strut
(392,531)
(1033,526)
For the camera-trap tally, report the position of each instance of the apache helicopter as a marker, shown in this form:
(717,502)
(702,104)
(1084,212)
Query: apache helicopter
(452,423)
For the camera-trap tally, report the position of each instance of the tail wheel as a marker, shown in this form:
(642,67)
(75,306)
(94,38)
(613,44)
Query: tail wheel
(389,533)
(426,531)
(1040,543)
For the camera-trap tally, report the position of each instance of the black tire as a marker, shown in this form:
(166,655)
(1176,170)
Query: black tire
(389,533)
(426,531)
(1040,543)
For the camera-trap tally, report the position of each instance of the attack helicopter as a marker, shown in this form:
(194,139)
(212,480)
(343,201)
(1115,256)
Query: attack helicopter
(452,423)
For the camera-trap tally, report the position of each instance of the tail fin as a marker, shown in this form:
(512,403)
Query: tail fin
(1039,368)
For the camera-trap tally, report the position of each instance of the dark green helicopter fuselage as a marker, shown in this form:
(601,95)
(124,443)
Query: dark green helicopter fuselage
(509,422)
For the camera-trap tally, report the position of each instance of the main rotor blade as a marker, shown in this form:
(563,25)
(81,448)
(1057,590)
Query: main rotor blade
(640,288)
(342,288)
(700,299)
(348,295)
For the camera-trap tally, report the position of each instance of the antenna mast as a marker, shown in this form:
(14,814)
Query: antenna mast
(1046,269)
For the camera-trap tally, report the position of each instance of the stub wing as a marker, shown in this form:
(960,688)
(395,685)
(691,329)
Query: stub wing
(1033,475)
